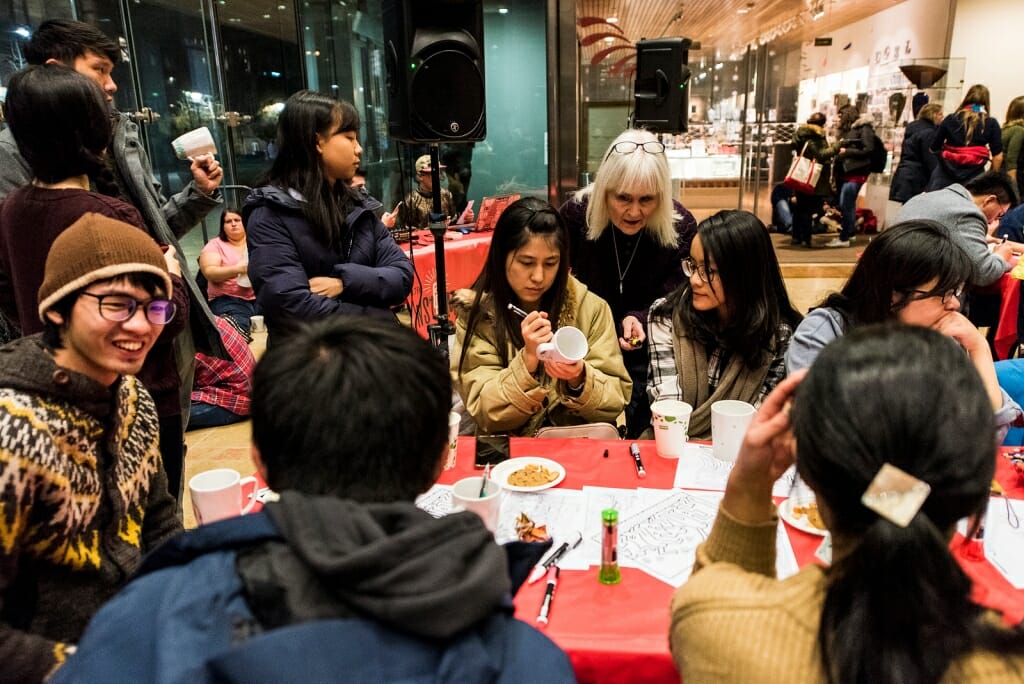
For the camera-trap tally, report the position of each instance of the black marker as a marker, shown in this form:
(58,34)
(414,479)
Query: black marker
(635,451)
(549,595)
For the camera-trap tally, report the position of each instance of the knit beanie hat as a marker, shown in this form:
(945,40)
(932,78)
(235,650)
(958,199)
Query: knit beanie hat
(96,247)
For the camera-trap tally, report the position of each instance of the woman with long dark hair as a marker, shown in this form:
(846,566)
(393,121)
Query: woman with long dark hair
(503,384)
(894,606)
(315,248)
(723,334)
(913,273)
(966,141)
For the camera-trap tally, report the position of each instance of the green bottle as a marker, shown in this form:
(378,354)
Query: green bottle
(609,573)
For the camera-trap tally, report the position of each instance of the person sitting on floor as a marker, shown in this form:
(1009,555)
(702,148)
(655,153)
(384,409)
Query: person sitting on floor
(724,333)
(224,261)
(894,606)
(344,577)
(220,395)
(504,384)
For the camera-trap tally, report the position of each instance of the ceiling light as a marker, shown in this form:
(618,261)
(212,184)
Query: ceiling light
(503,10)
(612,20)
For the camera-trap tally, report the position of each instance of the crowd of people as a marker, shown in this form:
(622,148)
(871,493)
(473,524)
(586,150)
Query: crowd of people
(350,410)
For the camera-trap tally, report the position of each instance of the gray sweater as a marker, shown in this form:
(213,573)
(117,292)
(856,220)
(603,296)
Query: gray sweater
(954,208)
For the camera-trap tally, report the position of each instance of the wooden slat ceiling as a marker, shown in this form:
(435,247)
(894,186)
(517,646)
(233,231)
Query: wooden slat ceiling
(717,24)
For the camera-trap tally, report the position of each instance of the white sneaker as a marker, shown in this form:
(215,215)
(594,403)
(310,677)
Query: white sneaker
(836,242)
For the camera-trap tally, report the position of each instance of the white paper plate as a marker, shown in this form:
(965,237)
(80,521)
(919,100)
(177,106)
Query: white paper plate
(800,522)
(500,472)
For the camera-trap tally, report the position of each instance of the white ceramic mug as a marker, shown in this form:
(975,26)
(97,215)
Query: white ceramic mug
(257,324)
(194,144)
(454,420)
(217,495)
(466,497)
(670,419)
(729,421)
(568,345)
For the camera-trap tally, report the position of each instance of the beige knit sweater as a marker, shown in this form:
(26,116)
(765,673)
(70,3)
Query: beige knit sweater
(733,621)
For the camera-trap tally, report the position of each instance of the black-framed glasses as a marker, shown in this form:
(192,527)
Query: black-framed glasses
(947,295)
(629,147)
(691,267)
(119,308)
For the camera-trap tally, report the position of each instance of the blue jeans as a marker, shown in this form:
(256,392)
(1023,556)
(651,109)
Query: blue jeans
(240,310)
(848,205)
(784,215)
(205,415)
(1010,375)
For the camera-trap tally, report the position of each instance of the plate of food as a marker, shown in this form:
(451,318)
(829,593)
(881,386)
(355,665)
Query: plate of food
(803,515)
(528,474)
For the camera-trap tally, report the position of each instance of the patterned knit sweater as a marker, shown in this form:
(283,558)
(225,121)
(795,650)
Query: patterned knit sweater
(83,495)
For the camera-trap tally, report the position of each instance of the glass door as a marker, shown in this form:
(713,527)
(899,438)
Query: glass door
(227,65)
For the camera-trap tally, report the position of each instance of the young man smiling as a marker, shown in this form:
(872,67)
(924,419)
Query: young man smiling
(83,493)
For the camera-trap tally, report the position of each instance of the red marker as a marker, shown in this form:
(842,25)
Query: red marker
(549,595)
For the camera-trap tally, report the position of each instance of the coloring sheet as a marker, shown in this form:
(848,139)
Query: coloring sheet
(699,469)
(437,501)
(625,501)
(1004,538)
(560,510)
(661,539)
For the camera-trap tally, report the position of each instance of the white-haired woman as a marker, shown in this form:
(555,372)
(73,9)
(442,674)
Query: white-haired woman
(629,238)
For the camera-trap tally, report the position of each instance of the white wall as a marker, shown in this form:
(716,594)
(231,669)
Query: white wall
(914,29)
(988,33)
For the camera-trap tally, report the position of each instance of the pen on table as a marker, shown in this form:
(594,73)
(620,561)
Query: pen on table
(606,453)
(634,449)
(483,480)
(516,310)
(540,568)
(549,595)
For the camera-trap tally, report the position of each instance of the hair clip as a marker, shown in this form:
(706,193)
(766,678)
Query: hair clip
(895,495)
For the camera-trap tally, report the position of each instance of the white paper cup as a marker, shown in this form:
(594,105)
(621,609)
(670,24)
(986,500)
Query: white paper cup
(466,497)
(670,419)
(454,419)
(568,345)
(729,421)
(194,144)
(217,495)
(257,324)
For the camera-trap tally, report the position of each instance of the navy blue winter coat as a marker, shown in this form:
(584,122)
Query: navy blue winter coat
(284,254)
(391,596)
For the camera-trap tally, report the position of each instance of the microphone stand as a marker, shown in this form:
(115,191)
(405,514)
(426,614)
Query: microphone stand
(443,328)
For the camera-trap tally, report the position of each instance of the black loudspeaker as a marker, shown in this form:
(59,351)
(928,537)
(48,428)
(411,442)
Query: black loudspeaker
(433,53)
(662,93)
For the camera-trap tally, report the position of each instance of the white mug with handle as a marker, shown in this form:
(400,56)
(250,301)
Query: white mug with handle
(217,495)
(569,345)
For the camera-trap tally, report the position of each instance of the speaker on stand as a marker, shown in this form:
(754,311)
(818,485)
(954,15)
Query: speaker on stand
(433,53)
(661,94)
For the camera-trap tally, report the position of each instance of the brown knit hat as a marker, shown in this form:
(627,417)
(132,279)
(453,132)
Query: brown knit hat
(93,248)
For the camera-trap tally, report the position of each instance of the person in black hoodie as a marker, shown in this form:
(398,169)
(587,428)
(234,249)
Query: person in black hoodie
(917,161)
(344,578)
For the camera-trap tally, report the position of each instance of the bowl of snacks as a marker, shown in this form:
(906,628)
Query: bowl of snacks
(528,474)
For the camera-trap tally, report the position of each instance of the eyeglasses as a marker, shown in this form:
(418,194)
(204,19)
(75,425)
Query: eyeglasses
(120,308)
(947,297)
(706,275)
(629,147)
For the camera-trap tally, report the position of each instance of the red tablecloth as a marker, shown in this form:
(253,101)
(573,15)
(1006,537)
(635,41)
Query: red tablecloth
(464,256)
(1006,330)
(620,633)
